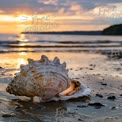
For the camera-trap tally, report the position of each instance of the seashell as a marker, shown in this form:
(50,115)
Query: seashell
(46,79)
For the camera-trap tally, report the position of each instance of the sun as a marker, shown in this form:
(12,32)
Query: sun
(22,18)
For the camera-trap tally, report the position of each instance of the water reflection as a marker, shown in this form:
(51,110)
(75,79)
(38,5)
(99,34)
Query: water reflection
(22,55)
(22,38)
(21,61)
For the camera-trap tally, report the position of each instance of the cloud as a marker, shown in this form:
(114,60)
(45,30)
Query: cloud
(1,11)
(75,7)
(53,2)
(13,6)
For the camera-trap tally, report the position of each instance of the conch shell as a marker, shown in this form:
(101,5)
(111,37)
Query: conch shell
(46,79)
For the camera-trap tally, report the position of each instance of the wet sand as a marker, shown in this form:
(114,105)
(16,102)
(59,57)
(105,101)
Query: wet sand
(102,75)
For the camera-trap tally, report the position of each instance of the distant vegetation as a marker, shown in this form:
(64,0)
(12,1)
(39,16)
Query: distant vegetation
(68,32)
(113,30)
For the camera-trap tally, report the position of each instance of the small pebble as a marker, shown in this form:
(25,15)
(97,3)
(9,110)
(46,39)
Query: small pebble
(91,69)
(111,98)
(82,106)
(80,119)
(8,115)
(113,108)
(99,95)
(104,84)
(96,105)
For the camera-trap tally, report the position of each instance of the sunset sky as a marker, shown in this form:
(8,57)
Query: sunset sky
(58,15)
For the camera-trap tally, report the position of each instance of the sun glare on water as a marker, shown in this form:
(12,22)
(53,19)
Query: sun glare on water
(21,61)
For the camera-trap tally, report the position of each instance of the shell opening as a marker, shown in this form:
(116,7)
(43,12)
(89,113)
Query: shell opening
(69,90)
(74,87)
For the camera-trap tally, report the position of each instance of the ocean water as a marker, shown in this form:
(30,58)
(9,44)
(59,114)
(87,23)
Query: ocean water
(58,43)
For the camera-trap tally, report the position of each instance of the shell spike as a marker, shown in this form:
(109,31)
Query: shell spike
(44,58)
(21,66)
(56,60)
(30,60)
(64,64)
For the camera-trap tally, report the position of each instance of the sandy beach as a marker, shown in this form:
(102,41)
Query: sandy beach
(102,75)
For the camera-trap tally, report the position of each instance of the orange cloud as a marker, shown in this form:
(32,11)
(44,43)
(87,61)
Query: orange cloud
(75,7)
(1,11)
(54,2)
